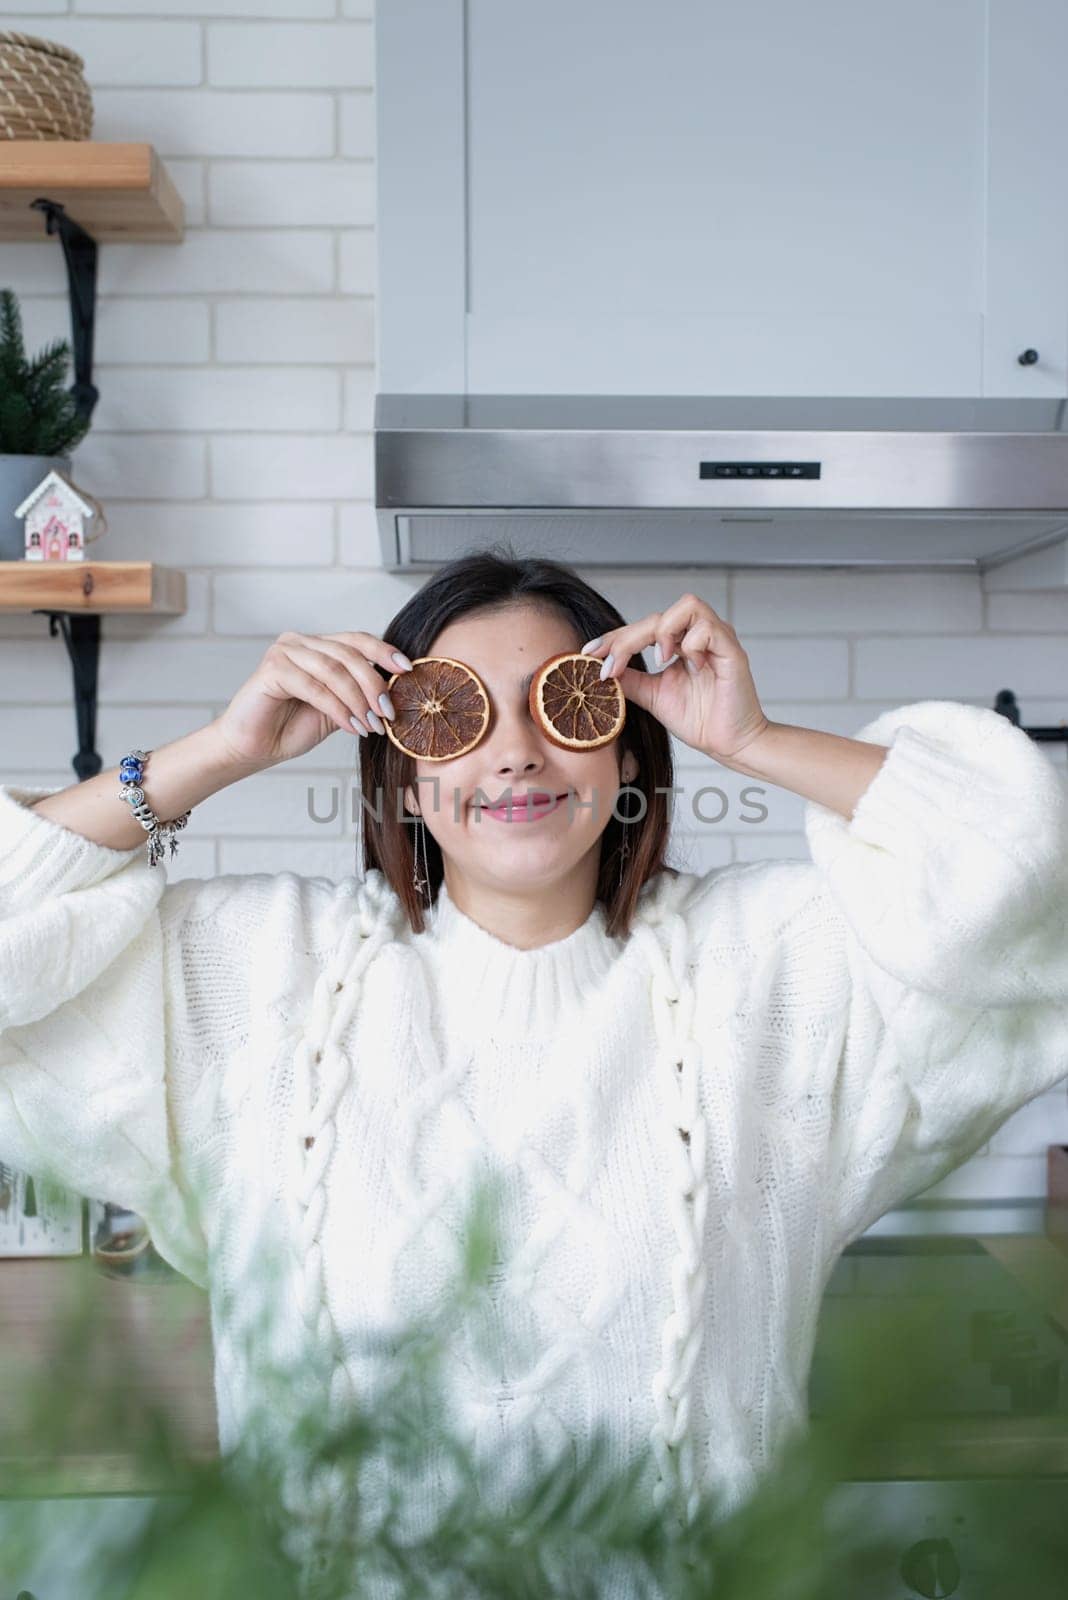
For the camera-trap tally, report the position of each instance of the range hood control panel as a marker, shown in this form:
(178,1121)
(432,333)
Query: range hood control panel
(760,469)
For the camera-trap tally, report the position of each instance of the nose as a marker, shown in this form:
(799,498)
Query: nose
(514,743)
(516,760)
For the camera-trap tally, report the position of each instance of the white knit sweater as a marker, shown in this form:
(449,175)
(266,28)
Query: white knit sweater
(689,1124)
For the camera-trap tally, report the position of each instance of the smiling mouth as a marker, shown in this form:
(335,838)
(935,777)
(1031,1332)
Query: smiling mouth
(522,809)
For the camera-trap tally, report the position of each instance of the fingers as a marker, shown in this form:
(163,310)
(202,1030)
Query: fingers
(353,686)
(372,647)
(689,630)
(304,685)
(622,643)
(695,646)
(357,649)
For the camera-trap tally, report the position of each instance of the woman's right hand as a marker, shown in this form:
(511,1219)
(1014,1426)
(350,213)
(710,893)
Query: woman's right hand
(306,686)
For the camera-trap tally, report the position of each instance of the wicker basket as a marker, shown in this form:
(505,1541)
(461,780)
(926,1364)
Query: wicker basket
(43,92)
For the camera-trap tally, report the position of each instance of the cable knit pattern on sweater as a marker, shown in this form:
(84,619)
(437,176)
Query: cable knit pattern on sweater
(688,1124)
(677,1068)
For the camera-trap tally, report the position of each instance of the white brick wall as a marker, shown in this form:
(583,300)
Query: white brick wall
(232,438)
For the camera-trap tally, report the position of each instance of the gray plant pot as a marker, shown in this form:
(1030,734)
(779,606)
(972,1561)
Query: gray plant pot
(18,475)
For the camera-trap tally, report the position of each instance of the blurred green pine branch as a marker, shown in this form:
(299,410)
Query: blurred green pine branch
(38,416)
(574,1526)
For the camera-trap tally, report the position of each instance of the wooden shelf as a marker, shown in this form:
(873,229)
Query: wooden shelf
(74,595)
(91,588)
(113,191)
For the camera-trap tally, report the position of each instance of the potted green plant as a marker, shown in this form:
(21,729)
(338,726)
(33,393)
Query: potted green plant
(39,421)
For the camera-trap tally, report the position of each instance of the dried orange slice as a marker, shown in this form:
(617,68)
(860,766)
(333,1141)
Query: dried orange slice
(442,709)
(572,706)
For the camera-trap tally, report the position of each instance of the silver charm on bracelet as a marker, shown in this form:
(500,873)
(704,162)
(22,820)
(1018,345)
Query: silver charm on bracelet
(131,771)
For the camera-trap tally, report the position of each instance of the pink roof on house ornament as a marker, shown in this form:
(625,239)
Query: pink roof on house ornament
(63,486)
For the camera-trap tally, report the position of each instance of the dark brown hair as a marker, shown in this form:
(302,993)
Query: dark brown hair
(485,580)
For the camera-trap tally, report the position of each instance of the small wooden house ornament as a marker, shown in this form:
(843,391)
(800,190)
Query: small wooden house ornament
(56,517)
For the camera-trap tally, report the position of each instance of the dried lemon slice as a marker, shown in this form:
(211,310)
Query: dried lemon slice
(442,709)
(572,706)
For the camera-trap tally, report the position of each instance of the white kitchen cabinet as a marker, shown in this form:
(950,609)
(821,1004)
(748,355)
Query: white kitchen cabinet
(702,197)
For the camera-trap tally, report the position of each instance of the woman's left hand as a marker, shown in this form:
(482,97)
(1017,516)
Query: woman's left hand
(712,705)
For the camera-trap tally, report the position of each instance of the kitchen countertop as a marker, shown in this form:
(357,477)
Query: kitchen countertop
(150,1346)
(152,1341)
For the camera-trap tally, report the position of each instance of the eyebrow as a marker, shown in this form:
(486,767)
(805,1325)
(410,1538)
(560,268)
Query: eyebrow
(525,683)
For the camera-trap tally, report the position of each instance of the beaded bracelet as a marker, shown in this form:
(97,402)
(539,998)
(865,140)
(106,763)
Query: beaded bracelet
(131,771)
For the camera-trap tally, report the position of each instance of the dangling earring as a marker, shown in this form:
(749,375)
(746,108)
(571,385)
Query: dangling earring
(421,883)
(624,849)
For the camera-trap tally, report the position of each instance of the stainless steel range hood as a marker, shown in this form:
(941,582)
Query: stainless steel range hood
(630,481)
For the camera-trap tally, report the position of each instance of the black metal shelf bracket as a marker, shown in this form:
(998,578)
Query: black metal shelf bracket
(81,634)
(80,630)
(1006,704)
(79,252)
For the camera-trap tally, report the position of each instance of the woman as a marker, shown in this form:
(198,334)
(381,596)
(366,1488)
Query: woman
(697,1089)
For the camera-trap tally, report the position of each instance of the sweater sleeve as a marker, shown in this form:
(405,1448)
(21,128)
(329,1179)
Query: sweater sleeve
(122,998)
(947,901)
